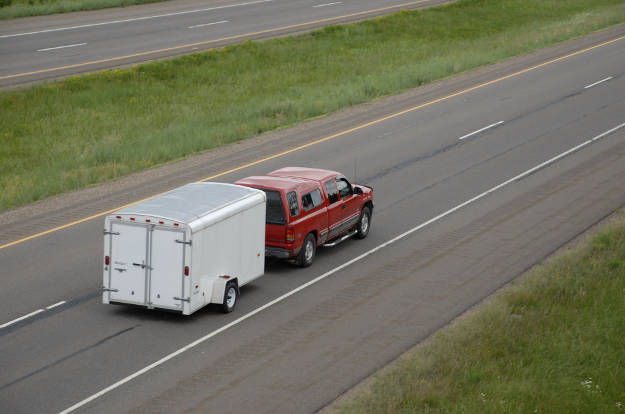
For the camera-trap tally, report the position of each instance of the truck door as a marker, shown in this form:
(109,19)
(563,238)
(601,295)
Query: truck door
(166,274)
(129,264)
(335,209)
(351,212)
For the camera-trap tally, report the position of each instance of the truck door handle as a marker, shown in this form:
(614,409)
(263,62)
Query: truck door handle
(343,206)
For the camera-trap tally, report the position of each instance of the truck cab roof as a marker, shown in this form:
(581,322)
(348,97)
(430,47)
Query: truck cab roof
(315,174)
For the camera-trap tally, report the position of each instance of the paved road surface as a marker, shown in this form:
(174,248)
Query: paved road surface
(480,208)
(46,47)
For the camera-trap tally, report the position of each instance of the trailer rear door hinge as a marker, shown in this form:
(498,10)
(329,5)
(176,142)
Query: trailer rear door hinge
(184,242)
(182,299)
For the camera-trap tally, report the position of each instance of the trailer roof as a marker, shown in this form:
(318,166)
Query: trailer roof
(190,202)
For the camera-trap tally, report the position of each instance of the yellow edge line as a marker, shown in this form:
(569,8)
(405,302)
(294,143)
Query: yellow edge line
(345,132)
(206,42)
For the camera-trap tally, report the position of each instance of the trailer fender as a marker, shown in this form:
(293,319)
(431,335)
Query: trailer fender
(219,288)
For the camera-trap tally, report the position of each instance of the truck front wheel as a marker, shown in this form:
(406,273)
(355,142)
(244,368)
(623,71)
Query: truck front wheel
(363,225)
(231,297)
(307,254)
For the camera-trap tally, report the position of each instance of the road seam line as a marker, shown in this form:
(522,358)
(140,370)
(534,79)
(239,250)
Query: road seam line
(333,271)
(328,138)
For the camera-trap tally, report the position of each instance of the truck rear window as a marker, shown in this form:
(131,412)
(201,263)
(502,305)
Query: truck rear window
(275,208)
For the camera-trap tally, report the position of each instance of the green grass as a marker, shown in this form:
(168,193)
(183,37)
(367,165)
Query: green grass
(89,129)
(10,9)
(551,343)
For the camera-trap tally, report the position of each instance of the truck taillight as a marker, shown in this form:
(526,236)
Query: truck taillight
(290,235)
(186,270)
(107,260)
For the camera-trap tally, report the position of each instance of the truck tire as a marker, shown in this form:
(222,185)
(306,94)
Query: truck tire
(307,254)
(231,298)
(362,228)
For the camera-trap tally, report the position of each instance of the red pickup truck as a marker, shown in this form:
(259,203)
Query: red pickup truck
(308,207)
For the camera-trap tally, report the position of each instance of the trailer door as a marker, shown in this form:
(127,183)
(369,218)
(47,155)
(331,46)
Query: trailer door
(128,273)
(167,269)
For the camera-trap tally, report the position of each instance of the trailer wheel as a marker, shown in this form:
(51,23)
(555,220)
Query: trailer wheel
(364,223)
(231,297)
(307,254)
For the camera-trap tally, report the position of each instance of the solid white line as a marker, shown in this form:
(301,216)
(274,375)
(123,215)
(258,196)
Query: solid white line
(480,130)
(597,83)
(60,47)
(207,24)
(328,4)
(55,305)
(329,273)
(135,19)
(21,318)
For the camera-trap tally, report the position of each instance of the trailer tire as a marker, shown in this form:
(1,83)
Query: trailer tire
(362,229)
(231,297)
(307,253)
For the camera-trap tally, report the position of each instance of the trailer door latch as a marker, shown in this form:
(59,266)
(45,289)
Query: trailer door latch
(184,242)
(116,233)
(109,290)
(182,299)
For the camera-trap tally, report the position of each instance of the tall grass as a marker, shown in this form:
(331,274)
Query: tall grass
(85,130)
(553,343)
(10,9)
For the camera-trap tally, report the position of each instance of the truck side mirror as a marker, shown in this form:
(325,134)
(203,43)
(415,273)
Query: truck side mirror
(357,190)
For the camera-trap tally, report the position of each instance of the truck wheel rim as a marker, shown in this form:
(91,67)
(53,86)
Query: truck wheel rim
(364,223)
(309,251)
(231,298)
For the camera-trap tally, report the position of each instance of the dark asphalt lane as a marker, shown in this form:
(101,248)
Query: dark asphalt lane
(299,354)
(47,47)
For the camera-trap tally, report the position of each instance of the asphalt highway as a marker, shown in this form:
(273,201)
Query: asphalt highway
(476,179)
(38,48)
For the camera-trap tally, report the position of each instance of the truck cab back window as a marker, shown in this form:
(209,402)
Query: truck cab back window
(275,208)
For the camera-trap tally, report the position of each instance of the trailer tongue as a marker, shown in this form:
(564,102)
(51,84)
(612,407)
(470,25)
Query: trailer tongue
(184,249)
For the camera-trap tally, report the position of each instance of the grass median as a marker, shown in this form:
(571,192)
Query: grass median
(10,9)
(551,343)
(89,129)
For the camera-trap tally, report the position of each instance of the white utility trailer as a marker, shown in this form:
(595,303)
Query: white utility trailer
(187,248)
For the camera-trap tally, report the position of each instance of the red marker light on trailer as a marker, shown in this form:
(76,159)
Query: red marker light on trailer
(107,260)
(161,222)
(119,217)
(176,224)
(132,219)
(186,270)
(225,277)
(147,220)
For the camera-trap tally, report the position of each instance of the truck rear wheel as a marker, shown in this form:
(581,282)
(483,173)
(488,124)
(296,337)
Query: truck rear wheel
(364,223)
(231,297)
(307,254)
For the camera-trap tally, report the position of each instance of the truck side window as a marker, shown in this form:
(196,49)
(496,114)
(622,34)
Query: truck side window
(291,198)
(345,188)
(333,195)
(312,200)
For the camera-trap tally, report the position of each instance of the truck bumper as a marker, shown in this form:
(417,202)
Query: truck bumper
(280,253)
